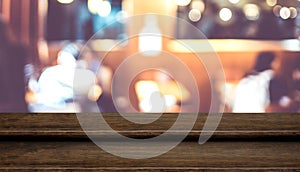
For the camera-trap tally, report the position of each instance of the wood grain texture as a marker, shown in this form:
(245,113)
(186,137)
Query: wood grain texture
(231,125)
(187,155)
(56,142)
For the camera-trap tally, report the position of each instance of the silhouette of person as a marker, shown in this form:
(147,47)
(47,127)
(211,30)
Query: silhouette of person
(252,92)
(284,86)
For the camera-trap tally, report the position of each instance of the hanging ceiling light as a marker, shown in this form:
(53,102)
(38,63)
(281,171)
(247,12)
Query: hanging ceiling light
(150,37)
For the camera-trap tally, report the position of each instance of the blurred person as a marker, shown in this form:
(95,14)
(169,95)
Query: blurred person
(296,86)
(252,92)
(12,79)
(295,105)
(284,86)
(104,75)
(67,86)
(263,62)
(105,101)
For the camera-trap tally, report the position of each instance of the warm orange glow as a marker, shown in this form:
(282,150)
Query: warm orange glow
(144,89)
(94,92)
(150,39)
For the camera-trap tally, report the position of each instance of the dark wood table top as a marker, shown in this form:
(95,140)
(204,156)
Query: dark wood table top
(242,142)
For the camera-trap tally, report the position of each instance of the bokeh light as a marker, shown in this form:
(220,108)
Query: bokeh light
(93,6)
(198,4)
(271,3)
(195,15)
(234,1)
(104,9)
(285,13)
(225,14)
(251,11)
(183,2)
(65,1)
(276,10)
(121,16)
(294,12)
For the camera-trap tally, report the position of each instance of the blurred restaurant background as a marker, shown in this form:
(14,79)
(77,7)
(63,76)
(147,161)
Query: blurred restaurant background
(238,31)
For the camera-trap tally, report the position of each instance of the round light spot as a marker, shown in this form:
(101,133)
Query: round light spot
(294,12)
(225,14)
(198,4)
(271,3)
(251,11)
(104,9)
(285,13)
(195,15)
(93,5)
(276,10)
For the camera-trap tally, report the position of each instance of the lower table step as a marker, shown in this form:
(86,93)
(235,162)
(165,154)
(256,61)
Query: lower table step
(189,156)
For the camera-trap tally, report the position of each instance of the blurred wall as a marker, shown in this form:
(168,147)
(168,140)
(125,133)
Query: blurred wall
(24,18)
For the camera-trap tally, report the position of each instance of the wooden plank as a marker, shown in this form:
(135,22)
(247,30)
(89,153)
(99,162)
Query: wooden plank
(231,125)
(56,142)
(186,156)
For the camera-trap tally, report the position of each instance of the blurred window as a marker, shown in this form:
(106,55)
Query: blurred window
(77,20)
(239,19)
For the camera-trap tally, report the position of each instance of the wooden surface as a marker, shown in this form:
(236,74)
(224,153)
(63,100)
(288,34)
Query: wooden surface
(188,155)
(231,125)
(242,142)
